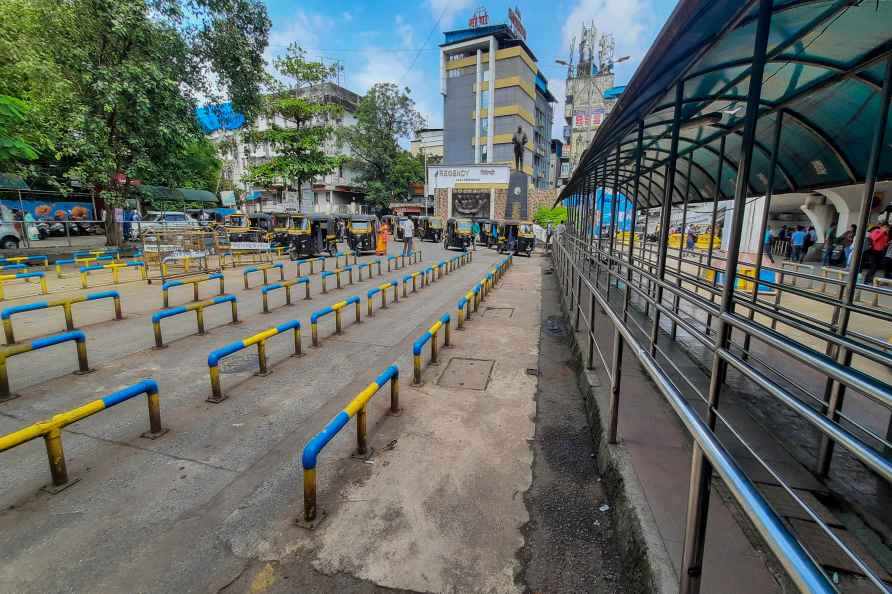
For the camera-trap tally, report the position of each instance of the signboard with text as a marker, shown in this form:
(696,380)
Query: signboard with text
(445,176)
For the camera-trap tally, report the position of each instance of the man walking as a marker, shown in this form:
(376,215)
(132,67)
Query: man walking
(408,234)
(766,241)
(475,233)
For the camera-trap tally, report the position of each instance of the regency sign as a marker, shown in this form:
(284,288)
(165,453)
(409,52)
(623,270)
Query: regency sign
(446,176)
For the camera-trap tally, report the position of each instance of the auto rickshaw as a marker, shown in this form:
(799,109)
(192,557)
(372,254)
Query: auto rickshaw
(362,232)
(431,229)
(323,235)
(458,234)
(278,234)
(516,237)
(289,229)
(238,227)
(486,236)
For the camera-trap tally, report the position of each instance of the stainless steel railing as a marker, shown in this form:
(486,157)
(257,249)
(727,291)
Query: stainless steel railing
(622,286)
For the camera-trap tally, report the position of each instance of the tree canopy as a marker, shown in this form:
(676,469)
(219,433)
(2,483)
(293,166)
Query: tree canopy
(300,146)
(112,85)
(385,115)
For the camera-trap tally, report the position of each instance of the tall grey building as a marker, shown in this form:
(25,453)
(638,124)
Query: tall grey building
(491,85)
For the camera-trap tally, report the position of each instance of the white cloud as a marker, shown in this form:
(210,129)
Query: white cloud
(449,9)
(557,86)
(625,19)
(303,28)
(347,15)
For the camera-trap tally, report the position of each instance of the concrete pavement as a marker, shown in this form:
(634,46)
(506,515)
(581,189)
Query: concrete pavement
(211,505)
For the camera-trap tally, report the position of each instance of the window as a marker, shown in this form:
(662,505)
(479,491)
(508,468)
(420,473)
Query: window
(484,126)
(484,98)
(455,73)
(456,56)
(486,75)
(174,217)
(483,156)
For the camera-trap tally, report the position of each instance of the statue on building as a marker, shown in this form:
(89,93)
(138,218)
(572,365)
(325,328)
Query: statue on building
(519,140)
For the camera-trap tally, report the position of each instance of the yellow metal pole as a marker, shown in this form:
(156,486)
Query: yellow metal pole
(309,494)
(82,356)
(69,318)
(156,327)
(43,289)
(154,404)
(261,358)
(199,319)
(395,395)
(216,390)
(358,320)
(56,456)
(7,329)
(362,446)
(234,307)
(337,321)
(297,346)
(314,330)
(433,360)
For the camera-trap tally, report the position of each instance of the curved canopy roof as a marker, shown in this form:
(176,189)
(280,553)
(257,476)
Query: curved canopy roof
(823,78)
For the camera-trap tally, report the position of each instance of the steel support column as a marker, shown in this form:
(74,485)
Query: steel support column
(668,191)
(844,356)
(701,470)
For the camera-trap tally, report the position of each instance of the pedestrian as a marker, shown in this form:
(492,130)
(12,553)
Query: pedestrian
(692,237)
(848,242)
(811,238)
(766,244)
(475,232)
(879,241)
(381,246)
(408,228)
(549,231)
(829,236)
(887,262)
(798,242)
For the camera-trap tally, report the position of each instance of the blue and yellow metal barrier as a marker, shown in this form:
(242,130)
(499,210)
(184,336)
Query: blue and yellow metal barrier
(383,290)
(312,262)
(303,280)
(395,260)
(357,408)
(115,267)
(51,430)
(65,304)
(264,268)
(337,274)
(168,285)
(369,265)
(413,276)
(336,310)
(260,340)
(23,275)
(14,267)
(75,336)
(198,308)
(346,256)
(109,253)
(429,336)
(76,261)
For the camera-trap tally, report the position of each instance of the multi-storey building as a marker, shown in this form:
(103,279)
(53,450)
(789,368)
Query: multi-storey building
(428,142)
(335,192)
(491,85)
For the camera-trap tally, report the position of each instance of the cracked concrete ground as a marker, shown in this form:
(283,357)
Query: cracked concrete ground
(211,505)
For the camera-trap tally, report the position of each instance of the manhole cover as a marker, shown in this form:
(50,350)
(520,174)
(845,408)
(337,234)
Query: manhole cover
(498,313)
(238,363)
(555,326)
(467,374)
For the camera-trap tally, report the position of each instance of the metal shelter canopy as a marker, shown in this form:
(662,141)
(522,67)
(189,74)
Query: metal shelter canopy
(824,74)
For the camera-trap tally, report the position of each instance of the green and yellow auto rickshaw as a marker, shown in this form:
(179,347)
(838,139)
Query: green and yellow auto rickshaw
(238,228)
(487,238)
(323,235)
(431,229)
(458,234)
(516,237)
(362,232)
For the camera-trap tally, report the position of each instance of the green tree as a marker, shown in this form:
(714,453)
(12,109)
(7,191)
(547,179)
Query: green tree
(545,215)
(385,116)
(300,145)
(114,83)
(200,168)
(14,147)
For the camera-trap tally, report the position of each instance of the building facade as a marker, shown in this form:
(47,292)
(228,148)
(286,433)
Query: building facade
(491,85)
(590,92)
(428,142)
(335,192)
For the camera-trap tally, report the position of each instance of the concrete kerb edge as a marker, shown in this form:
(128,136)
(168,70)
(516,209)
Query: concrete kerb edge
(646,566)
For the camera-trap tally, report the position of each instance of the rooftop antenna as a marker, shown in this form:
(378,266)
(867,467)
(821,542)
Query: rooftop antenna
(606,52)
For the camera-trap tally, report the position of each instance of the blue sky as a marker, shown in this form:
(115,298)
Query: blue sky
(396,41)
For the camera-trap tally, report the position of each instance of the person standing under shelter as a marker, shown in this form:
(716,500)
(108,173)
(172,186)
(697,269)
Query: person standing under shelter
(475,233)
(879,241)
(797,240)
(766,244)
(408,234)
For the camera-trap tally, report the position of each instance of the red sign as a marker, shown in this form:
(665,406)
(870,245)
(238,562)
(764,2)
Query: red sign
(480,18)
(517,22)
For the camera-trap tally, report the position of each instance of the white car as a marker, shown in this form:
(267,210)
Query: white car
(162,221)
(10,238)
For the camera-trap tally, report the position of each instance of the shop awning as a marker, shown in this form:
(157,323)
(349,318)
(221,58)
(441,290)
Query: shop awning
(154,193)
(191,195)
(823,78)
